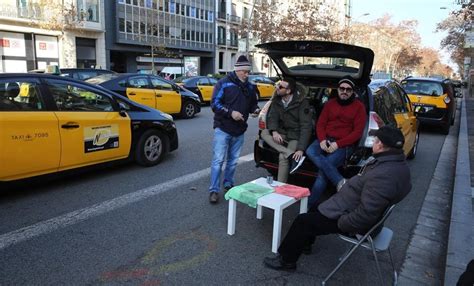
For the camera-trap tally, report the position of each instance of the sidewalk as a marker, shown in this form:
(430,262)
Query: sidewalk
(442,243)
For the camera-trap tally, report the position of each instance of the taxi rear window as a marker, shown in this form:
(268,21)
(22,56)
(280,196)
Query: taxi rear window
(423,87)
(20,96)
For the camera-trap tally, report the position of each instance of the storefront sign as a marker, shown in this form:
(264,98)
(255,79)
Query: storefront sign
(191,66)
(46,47)
(12,44)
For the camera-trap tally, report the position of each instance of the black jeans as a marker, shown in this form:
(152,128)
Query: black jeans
(303,232)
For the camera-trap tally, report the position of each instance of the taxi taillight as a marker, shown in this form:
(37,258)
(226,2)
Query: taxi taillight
(375,122)
(261,123)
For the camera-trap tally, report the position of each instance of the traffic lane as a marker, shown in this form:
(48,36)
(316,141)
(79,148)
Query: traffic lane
(176,237)
(50,196)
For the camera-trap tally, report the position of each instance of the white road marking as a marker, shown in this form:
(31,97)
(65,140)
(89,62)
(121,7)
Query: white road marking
(25,233)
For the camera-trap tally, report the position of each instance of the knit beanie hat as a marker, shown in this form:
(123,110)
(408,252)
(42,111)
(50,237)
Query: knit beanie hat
(242,64)
(347,79)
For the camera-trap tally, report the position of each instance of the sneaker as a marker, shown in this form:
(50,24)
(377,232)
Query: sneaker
(227,188)
(213,197)
(294,165)
(340,184)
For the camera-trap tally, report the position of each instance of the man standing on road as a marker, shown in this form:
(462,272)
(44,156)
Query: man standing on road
(359,204)
(288,127)
(233,99)
(339,126)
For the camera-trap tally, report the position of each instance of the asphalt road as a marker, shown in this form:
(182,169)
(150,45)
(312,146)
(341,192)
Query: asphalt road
(122,224)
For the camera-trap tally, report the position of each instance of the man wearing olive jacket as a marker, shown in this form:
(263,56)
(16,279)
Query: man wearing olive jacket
(358,205)
(288,127)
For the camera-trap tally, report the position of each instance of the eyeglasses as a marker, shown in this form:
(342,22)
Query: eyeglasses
(345,89)
(279,86)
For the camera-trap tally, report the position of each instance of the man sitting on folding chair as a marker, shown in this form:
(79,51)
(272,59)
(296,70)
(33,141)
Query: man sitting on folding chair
(359,204)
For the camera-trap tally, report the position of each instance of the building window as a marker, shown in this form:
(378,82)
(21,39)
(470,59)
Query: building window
(88,10)
(221,60)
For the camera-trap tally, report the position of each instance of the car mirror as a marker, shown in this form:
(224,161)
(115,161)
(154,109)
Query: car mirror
(123,109)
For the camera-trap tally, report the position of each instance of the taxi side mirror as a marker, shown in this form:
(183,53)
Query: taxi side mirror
(122,109)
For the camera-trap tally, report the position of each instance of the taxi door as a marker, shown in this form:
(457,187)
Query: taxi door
(267,87)
(90,126)
(168,99)
(405,117)
(138,90)
(29,135)
(206,86)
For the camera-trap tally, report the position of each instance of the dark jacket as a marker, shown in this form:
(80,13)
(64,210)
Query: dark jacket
(231,94)
(294,121)
(363,199)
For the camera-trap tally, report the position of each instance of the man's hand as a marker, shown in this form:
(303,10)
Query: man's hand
(237,116)
(277,137)
(323,145)
(255,113)
(297,155)
(332,147)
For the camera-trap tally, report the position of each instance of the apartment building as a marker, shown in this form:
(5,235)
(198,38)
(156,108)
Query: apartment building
(148,35)
(34,34)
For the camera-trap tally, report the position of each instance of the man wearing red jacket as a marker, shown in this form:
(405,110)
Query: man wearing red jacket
(339,126)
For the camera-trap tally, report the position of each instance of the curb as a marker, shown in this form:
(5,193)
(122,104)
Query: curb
(460,242)
(424,262)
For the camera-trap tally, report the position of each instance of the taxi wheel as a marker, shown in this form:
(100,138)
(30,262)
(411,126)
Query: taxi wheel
(188,109)
(411,155)
(151,148)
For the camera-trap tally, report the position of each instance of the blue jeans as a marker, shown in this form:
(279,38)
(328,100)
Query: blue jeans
(224,146)
(327,164)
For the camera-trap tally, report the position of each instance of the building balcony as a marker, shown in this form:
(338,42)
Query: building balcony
(233,18)
(227,43)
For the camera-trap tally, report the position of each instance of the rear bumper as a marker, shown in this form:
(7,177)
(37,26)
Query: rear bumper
(435,116)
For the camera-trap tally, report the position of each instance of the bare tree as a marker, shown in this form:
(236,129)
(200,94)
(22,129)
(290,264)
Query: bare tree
(54,15)
(303,20)
(457,23)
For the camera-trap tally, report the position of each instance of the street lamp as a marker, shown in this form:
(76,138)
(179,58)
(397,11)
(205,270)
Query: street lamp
(181,57)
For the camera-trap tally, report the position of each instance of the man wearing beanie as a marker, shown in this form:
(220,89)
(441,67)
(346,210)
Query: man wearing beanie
(338,128)
(234,98)
(358,205)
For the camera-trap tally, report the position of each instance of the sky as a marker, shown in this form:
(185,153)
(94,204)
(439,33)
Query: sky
(427,12)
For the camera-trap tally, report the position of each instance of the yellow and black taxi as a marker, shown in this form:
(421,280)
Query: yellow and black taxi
(50,124)
(433,100)
(265,86)
(200,85)
(393,105)
(152,91)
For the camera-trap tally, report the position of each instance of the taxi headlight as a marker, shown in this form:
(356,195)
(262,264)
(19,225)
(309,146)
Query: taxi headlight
(447,100)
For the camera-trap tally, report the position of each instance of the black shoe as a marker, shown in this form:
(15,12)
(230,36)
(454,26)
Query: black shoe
(213,197)
(227,188)
(277,263)
(294,165)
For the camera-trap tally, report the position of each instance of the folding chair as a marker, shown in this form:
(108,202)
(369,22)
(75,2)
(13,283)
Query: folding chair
(378,243)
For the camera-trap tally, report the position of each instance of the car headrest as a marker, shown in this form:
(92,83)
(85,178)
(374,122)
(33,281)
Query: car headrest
(12,90)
